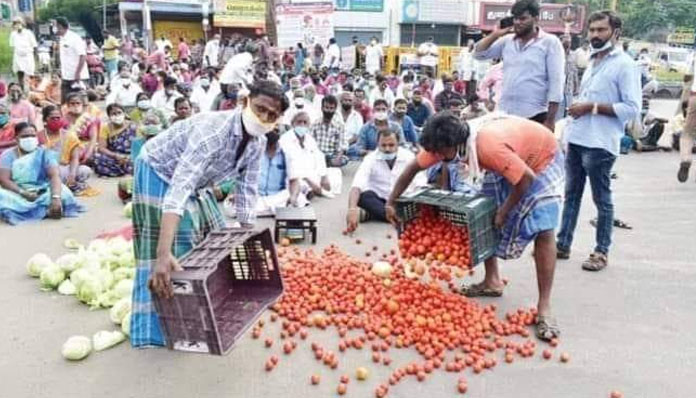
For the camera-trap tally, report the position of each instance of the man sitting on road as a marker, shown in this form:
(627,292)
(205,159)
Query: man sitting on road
(367,139)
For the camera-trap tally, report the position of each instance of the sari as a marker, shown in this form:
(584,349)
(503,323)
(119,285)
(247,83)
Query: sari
(30,172)
(119,141)
(62,147)
(84,126)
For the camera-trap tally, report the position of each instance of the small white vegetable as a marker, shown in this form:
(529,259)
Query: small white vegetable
(105,339)
(51,277)
(119,310)
(67,288)
(69,262)
(89,290)
(125,324)
(123,273)
(76,348)
(382,269)
(37,263)
(124,288)
(72,244)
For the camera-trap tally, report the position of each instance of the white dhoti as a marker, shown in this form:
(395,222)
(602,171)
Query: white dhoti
(23,63)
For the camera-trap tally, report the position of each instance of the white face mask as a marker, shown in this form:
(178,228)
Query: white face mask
(386,156)
(609,44)
(28,144)
(144,104)
(118,119)
(253,125)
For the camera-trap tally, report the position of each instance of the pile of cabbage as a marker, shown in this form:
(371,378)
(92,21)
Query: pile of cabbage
(100,276)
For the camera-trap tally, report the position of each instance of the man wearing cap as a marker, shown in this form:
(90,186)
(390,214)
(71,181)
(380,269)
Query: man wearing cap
(23,44)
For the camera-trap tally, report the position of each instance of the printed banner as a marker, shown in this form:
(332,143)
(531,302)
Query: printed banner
(307,23)
(240,14)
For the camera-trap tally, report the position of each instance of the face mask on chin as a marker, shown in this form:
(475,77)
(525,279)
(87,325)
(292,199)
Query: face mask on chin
(253,125)
(386,156)
(597,46)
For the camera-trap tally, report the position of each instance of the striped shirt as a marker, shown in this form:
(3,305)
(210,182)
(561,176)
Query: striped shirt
(201,151)
(329,137)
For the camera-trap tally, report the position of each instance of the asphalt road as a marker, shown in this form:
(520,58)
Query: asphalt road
(628,328)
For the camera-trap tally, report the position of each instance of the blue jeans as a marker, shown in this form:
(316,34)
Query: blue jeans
(595,163)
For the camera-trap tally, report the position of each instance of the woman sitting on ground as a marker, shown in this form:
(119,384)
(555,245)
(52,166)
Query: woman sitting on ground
(30,186)
(143,106)
(67,149)
(82,124)
(113,156)
(182,108)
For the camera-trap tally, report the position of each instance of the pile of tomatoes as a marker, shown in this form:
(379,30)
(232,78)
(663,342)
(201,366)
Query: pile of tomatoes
(430,236)
(334,291)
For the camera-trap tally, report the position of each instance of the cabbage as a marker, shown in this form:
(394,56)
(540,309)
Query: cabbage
(76,348)
(123,273)
(106,278)
(105,339)
(51,277)
(124,288)
(36,263)
(89,290)
(119,245)
(120,310)
(67,288)
(126,259)
(97,246)
(80,275)
(125,324)
(72,244)
(69,262)
(128,210)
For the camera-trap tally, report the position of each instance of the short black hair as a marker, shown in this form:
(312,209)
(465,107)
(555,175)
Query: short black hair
(400,101)
(614,20)
(329,100)
(525,5)
(21,126)
(47,110)
(455,102)
(72,96)
(444,130)
(348,87)
(179,100)
(63,22)
(359,90)
(113,107)
(169,81)
(380,101)
(270,89)
(391,130)
(142,95)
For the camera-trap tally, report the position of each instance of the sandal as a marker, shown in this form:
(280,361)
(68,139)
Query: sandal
(478,290)
(547,328)
(596,262)
(617,223)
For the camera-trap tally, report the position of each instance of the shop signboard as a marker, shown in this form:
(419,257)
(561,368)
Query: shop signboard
(240,14)
(307,23)
(553,18)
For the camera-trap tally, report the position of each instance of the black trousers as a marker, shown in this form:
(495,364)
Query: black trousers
(373,205)
(540,118)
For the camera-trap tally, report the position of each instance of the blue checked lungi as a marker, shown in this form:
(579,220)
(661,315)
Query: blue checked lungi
(201,216)
(537,211)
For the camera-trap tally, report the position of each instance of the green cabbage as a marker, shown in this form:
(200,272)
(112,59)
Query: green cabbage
(76,348)
(97,246)
(123,273)
(37,263)
(72,244)
(106,278)
(80,275)
(51,277)
(120,310)
(126,323)
(67,288)
(69,262)
(105,339)
(89,290)
(124,288)
(119,245)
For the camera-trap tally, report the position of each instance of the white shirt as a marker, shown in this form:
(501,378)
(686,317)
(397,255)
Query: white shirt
(72,47)
(466,65)
(582,58)
(308,162)
(388,96)
(376,176)
(373,57)
(238,69)
(211,52)
(124,96)
(352,125)
(308,108)
(430,52)
(166,105)
(161,44)
(333,52)
(23,43)
(203,98)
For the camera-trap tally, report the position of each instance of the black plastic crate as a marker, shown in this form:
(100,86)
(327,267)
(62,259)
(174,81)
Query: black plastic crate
(228,281)
(475,212)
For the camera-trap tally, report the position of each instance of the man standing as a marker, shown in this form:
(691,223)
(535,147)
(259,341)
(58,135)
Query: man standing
(73,54)
(23,44)
(570,88)
(428,53)
(333,56)
(610,97)
(211,52)
(686,141)
(532,65)
(466,68)
(162,43)
(110,48)
(443,99)
(374,57)
(184,53)
(329,133)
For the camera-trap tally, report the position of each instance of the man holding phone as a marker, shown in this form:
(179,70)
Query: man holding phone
(533,64)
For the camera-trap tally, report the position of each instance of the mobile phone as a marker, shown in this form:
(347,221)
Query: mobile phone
(506,22)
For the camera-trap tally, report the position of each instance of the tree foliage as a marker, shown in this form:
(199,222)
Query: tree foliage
(84,12)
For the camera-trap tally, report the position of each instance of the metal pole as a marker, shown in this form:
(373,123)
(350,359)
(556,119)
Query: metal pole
(104,15)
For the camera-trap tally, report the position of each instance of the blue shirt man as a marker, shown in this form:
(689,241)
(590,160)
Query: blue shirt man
(610,97)
(367,139)
(533,66)
(400,117)
(273,173)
